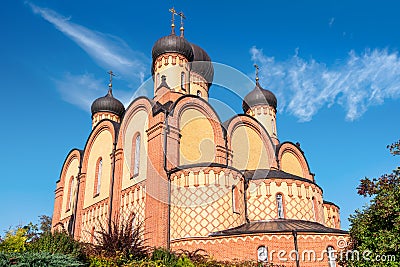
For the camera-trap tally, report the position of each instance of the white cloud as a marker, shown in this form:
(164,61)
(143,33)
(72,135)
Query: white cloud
(305,86)
(108,51)
(80,90)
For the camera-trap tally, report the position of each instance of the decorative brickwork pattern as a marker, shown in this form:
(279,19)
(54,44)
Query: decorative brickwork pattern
(297,200)
(133,200)
(202,202)
(244,247)
(94,216)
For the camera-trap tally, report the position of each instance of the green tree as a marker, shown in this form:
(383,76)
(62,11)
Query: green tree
(375,230)
(14,240)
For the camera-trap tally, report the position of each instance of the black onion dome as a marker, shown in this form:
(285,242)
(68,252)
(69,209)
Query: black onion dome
(202,63)
(108,103)
(172,44)
(259,96)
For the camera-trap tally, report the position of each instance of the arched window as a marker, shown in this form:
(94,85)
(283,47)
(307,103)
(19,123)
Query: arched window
(279,204)
(333,222)
(331,256)
(70,191)
(136,155)
(183,81)
(199,93)
(97,180)
(235,199)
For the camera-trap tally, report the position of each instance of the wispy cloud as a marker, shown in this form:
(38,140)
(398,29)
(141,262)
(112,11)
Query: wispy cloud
(80,90)
(108,51)
(305,86)
(331,21)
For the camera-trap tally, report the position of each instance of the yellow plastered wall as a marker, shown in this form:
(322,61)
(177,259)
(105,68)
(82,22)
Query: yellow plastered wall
(198,83)
(197,141)
(102,147)
(290,164)
(267,117)
(72,170)
(172,72)
(138,124)
(249,151)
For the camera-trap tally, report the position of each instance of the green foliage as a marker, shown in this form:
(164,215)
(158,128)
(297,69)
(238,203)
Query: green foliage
(98,261)
(164,257)
(45,223)
(14,241)
(375,230)
(33,259)
(56,242)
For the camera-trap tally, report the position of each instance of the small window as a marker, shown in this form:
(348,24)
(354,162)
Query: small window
(136,155)
(235,199)
(331,256)
(97,181)
(333,222)
(279,204)
(183,81)
(198,93)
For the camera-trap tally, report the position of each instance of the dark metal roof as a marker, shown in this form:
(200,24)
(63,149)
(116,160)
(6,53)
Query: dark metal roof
(108,103)
(331,203)
(202,63)
(259,96)
(267,173)
(279,226)
(274,174)
(172,44)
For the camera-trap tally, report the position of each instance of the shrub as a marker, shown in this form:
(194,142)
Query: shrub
(33,259)
(14,241)
(120,240)
(56,242)
(164,257)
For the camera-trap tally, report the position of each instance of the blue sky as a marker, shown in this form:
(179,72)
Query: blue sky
(334,66)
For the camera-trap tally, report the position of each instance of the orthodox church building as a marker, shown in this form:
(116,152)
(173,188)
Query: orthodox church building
(230,188)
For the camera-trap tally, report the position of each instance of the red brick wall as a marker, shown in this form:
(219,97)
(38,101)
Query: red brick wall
(245,247)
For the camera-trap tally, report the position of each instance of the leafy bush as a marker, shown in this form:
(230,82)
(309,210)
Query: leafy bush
(33,259)
(164,257)
(14,241)
(56,242)
(97,261)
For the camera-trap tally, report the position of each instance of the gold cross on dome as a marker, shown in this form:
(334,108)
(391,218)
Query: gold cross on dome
(180,14)
(257,69)
(173,12)
(111,78)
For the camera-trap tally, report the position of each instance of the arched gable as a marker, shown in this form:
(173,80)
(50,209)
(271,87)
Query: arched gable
(291,160)
(100,144)
(134,123)
(201,132)
(70,170)
(250,144)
